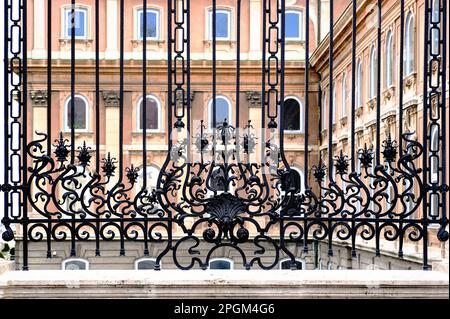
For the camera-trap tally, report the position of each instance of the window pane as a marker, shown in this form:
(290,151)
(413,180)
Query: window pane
(146,264)
(292,25)
(222,111)
(222,24)
(287,265)
(292,115)
(75,265)
(152,121)
(80,114)
(220,264)
(80,23)
(152,24)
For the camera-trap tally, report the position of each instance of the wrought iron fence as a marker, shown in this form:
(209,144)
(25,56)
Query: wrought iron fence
(227,186)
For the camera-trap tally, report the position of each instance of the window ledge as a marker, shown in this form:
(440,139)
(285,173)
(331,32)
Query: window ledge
(344,120)
(66,42)
(149,132)
(389,93)
(410,80)
(371,103)
(153,42)
(220,43)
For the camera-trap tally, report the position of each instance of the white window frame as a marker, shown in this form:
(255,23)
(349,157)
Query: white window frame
(138,18)
(64,262)
(66,109)
(66,10)
(302,261)
(209,22)
(389,60)
(373,73)
(210,111)
(344,96)
(301,119)
(221,259)
(137,261)
(138,113)
(302,177)
(300,15)
(409,45)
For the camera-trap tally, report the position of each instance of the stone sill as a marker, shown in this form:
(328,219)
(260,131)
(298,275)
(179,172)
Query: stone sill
(224,284)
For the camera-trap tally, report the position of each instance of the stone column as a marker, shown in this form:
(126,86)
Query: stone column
(255,29)
(39,51)
(112,116)
(112,31)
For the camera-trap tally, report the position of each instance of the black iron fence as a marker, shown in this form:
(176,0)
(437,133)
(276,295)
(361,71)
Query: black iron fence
(211,190)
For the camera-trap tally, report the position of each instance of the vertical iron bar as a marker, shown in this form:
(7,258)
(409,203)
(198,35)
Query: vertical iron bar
(214,57)
(263,87)
(97,111)
(121,83)
(72,84)
(306,110)
(24,134)
(444,112)
(401,82)
(97,86)
(6,106)
(331,99)
(378,116)
(144,96)
(353,142)
(425,137)
(238,62)
(49,77)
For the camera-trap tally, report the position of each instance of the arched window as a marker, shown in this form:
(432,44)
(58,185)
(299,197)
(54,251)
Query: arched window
(223,111)
(324,112)
(409,45)
(434,169)
(153,24)
(373,73)
(293,115)
(344,97)
(297,179)
(223,24)
(81,22)
(75,264)
(294,25)
(152,177)
(221,263)
(153,116)
(80,113)
(286,264)
(145,264)
(389,59)
(359,84)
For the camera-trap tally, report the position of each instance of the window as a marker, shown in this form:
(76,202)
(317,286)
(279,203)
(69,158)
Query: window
(389,59)
(409,45)
(80,23)
(152,24)
(223,24)
(80,113)
(324,112)
(145,264)
(297,179)
(293,115)
(373,73)
(221,263)
(359,84)
(294,25)
(223,111)
(286,264)
(344,96)
(75,264)
(152,177)
(153,116)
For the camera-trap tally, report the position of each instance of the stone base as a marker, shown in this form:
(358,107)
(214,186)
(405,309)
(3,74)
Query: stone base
(224,284)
